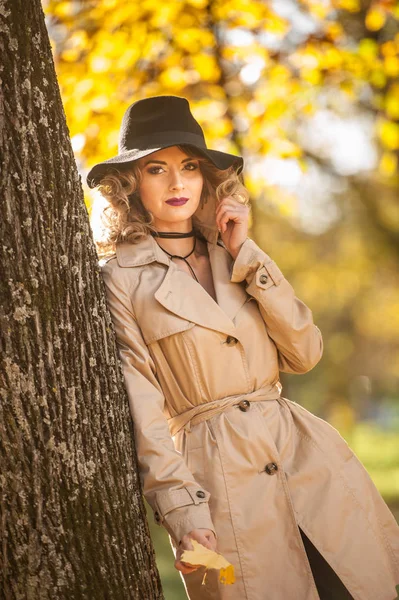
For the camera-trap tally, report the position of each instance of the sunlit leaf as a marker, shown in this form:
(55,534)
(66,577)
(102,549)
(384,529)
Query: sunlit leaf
(389,134)
(392,102)
(388,164)
(375,18)
(391,65)
(349,5)
(211,560)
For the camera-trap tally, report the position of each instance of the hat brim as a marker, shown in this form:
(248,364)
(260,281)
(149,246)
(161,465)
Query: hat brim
(221,160)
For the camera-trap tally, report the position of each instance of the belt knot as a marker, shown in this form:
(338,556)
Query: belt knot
(205,411)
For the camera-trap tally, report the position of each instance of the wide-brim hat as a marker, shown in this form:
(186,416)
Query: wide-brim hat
(154,123)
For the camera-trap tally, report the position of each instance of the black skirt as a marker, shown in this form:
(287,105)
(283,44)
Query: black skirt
(328,584)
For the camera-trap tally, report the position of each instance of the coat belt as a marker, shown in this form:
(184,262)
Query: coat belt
(205,411)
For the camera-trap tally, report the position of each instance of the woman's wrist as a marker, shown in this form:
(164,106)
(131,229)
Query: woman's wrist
(234,253)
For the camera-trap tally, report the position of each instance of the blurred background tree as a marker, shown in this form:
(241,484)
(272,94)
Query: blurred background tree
(308,92)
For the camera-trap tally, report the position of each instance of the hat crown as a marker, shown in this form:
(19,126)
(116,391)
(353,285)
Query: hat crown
(151,124)
(149,119)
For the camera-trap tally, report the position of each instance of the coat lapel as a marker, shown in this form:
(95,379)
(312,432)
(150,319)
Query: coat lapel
(180,294)
(230,296)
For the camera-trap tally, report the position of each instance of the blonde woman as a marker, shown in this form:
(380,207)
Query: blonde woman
(205,321)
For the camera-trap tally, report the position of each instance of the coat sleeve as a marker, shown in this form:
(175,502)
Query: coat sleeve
(288,320)
(179,503)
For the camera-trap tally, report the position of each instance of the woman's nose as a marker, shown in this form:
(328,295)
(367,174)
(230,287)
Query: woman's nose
(176,181)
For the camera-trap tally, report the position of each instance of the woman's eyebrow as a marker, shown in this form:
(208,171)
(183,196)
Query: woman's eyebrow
(162,162)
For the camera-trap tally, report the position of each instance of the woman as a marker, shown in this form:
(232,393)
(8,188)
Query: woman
(204,322)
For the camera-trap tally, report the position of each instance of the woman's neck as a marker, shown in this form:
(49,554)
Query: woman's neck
(184,246)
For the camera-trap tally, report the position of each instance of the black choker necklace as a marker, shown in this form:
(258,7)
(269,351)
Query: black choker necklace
(172,234)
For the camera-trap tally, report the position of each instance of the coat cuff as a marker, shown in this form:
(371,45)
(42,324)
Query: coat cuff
(180,511)
(252,263)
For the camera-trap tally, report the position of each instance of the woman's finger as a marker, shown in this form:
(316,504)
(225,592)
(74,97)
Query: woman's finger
(230,215)
(185,567)
(236,206)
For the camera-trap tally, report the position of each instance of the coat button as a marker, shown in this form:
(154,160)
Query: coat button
(157,517)
(244,405)
(231,340)
(263,278)
(200,494)
(271,468)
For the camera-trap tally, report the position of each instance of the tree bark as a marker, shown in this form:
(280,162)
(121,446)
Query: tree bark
(72,518)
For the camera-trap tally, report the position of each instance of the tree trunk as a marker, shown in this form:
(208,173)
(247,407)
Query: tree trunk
(72,518)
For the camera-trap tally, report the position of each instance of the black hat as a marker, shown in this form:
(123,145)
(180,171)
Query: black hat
(158,122)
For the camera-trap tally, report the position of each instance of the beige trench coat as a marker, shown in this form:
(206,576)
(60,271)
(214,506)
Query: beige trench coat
(251,471)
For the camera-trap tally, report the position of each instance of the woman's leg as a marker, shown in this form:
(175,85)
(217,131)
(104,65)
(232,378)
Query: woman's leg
(328,584)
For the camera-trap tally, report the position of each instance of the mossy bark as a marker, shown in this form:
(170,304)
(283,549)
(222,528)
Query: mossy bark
(72,522)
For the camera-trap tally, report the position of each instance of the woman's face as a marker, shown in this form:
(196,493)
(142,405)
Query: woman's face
(170,174)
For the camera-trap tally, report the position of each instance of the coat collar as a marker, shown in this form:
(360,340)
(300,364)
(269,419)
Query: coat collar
(180,294)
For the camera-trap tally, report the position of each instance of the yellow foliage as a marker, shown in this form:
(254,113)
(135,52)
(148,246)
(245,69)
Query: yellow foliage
(199,4)
(319,9)
(392,102)
(109,54)
(194,40)
(332,58)
(375,18)
(388,164)
(378,78)
(161,14)
(285,148)
(334,30)
(173,78)
(206,66)
(276,25)
(389,48)
(312,76)
(388,132)
(349,5)
(391,65)
(368,48)
(211,560)
(62,9)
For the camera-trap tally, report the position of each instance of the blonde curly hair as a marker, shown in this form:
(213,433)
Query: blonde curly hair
(124,217)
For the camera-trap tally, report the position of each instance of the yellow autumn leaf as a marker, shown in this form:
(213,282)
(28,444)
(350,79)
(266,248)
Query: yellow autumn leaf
(388,48)
(206,66)
(389,134)
(211,560)
(392,102)
(378,78)
(388,164)
(349,5)
(334,31)
(368,48)
(175,77)
(312,76)
(375,18)
(391,66)
(319,10)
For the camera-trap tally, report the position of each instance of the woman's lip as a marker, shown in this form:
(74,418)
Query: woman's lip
(177,202)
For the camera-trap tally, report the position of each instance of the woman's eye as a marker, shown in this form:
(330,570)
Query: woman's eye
(154,170)
(189,167)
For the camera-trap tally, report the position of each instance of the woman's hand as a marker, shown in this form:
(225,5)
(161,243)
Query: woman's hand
(206,537)
(232,221)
